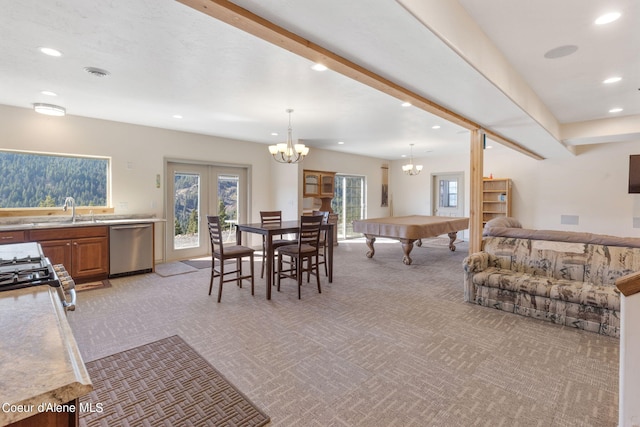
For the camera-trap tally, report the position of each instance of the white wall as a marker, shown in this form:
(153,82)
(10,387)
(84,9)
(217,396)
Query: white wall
(592,185)
(138,154)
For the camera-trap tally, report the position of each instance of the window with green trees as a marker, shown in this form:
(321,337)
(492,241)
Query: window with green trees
(32,180)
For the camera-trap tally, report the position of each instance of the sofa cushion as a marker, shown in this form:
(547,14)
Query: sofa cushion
(566,290)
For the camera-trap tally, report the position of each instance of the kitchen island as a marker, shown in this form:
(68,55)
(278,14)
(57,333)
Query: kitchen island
(42,374)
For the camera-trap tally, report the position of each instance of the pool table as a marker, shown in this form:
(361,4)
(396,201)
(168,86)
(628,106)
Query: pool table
(409,229)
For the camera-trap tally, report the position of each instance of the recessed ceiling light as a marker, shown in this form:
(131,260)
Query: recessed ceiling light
(319,67)
(488,147)
(406,104)
(177,116)
(435,127)
(612,80)
(561,51)
(607,18)
(48,93)
(340,142)
(49,109)
(274,133)
(51,52)
(615,110)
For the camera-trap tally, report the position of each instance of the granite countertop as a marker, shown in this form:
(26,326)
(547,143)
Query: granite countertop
(62,222)
(39,359)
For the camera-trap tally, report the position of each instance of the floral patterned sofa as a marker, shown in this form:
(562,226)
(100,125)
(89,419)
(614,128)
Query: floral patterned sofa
(564,277)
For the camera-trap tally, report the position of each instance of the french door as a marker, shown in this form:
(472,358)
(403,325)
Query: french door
(195,191)
(448,189)
(349,203)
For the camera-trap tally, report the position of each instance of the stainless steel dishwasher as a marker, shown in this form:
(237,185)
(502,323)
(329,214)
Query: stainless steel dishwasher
(130,249)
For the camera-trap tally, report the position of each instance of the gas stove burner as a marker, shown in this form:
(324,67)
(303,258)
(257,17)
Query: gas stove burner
(23,265)
(19,261)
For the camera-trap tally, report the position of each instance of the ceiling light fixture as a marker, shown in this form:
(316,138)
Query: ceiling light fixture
(615,110)
(406,104)
(288,152)
(50,52)
(607,18)
(48,93)
(319,67)
(49,109)
(612,80)
(177,116)
(435,127)
(410,168)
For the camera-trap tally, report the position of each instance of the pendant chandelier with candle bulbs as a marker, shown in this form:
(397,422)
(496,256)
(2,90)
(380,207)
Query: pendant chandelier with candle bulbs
(288,152)
(411,168)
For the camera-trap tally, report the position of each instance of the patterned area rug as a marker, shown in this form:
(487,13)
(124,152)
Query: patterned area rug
(198,263)
(163,383)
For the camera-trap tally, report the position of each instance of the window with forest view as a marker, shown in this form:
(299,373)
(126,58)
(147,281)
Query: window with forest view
(32,180)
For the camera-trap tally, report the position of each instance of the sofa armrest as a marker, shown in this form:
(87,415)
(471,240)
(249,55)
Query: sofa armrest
(476,262)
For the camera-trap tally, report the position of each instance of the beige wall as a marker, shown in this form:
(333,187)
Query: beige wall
(138,154)
(591,185)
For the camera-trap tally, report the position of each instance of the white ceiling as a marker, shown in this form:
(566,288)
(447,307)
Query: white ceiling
(166,58)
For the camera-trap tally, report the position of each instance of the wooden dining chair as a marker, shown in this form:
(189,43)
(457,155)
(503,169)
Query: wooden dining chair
(221,253)
(272,217)
(306,249)
(323,240)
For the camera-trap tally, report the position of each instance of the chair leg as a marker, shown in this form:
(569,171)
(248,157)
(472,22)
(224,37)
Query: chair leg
(239,268)
(324,259)
(299,274)
(251,261)
(279,271)
(317,272)
(264,259)
(212,275)
(221,279)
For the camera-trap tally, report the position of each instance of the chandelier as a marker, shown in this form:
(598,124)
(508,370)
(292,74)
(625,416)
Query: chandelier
(410,168)
(288,152)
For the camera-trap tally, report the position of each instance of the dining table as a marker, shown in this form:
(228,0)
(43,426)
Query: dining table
(277,229)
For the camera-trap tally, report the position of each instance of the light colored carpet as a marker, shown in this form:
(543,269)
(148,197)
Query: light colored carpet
(385,344)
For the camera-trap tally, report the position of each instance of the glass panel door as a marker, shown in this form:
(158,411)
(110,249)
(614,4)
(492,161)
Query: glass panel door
(228,191)
(187,204)
(349,203)
(195,191)
(186,208)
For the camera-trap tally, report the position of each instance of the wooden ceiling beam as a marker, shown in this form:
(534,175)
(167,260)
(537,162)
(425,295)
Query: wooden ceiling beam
(251,23)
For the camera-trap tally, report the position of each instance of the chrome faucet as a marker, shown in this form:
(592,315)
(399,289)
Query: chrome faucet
(69,201)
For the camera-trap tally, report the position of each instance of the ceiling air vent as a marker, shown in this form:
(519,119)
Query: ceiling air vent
(97,72)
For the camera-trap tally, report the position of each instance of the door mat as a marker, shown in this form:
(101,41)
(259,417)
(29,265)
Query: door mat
(93,285)
(163,383)
(173,269)
(198,263)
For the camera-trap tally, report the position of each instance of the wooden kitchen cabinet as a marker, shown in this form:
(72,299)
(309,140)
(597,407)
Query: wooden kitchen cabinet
(319,185)
(84,251)
(17,236)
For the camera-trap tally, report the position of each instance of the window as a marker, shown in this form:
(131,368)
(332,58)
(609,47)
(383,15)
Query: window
(32,180)
(448,194)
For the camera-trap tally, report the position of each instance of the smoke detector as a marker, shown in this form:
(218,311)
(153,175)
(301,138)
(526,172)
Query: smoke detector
(97,72)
